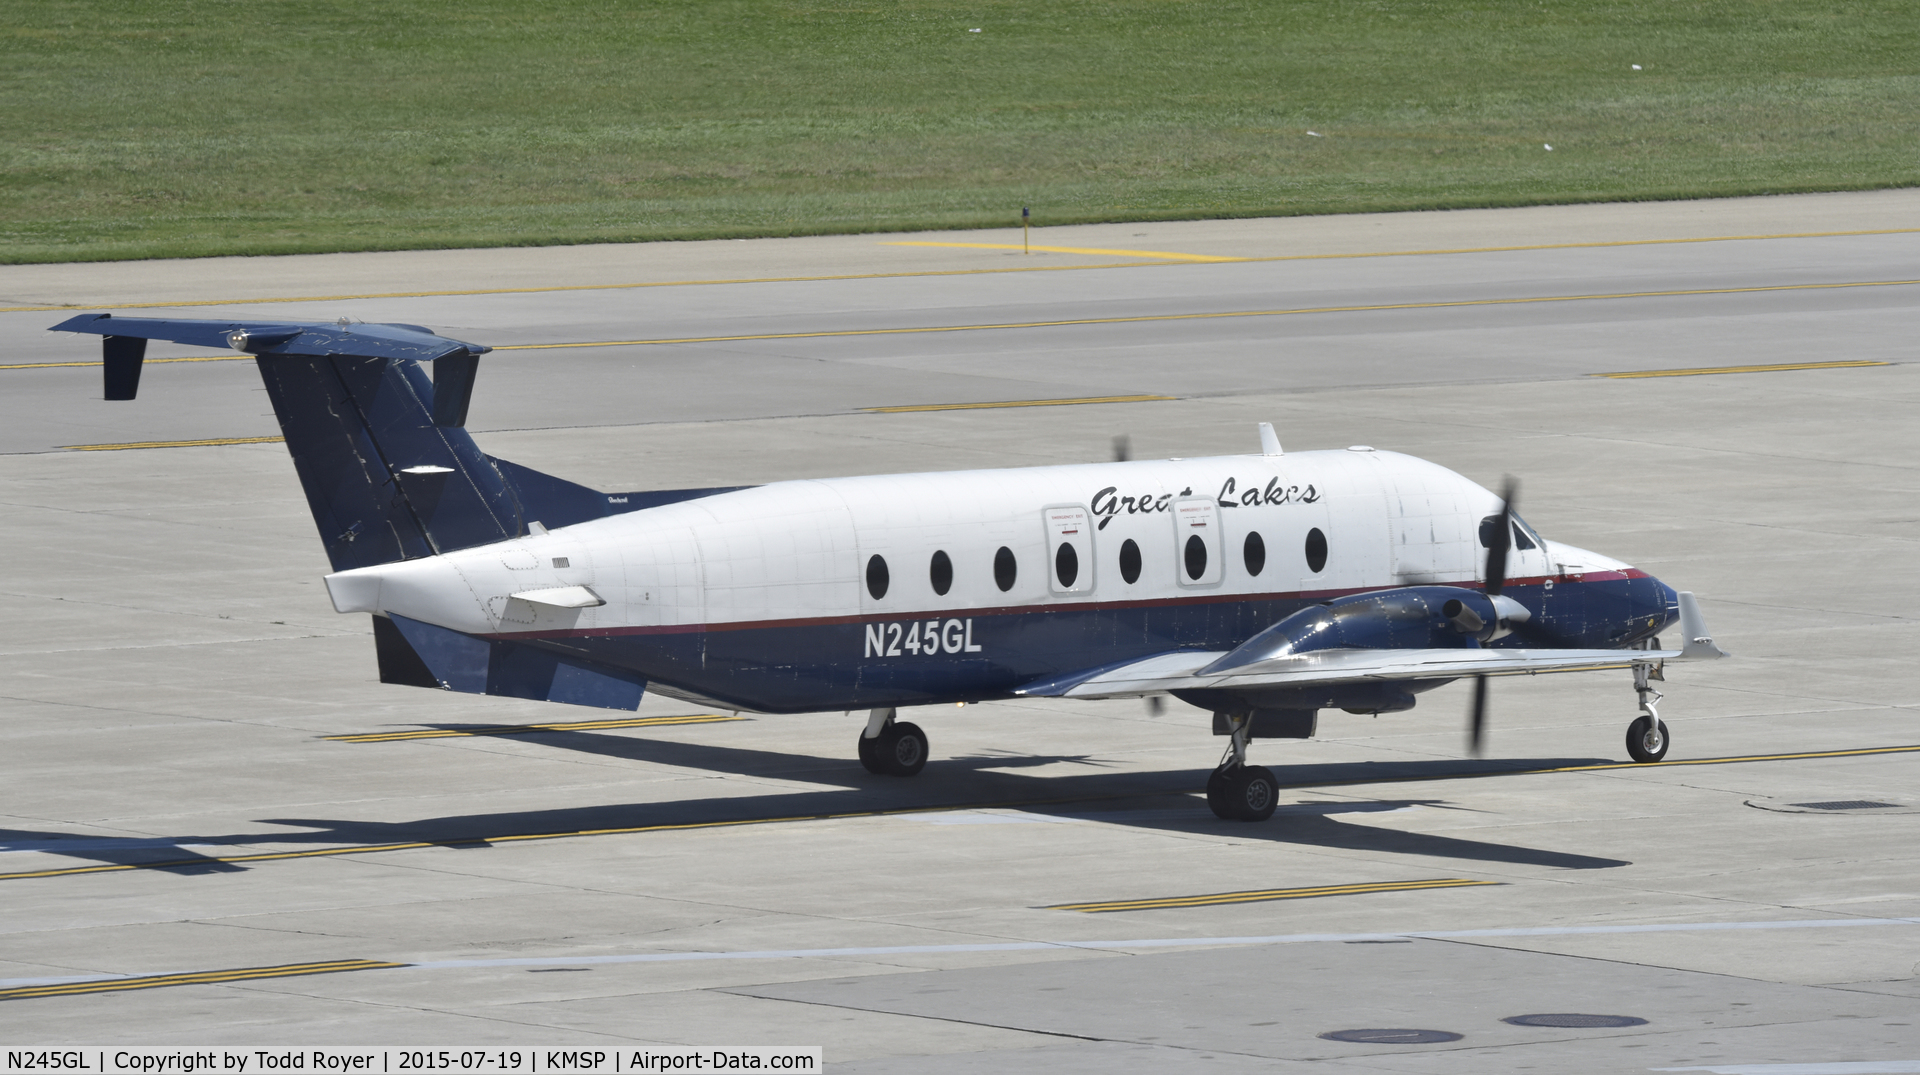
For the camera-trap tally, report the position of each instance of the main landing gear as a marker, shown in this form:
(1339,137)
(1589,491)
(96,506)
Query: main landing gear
(892,748)
(1237,791)
(1647,737)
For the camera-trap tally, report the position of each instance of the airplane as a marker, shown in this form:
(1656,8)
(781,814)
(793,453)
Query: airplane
(1261,587)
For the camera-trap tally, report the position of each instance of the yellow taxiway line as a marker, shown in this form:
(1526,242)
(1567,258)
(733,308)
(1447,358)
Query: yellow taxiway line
(1262,895)
(531,729)
(684,826)
(908,330)
(210,977)
(1775,368)
(1197,258)
(202,443)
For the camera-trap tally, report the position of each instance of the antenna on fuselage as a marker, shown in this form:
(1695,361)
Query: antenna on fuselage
(1269,440)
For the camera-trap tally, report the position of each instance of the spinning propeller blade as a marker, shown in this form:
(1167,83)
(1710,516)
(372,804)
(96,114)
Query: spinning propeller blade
(1499,544)
(1122,448)
(1478,722)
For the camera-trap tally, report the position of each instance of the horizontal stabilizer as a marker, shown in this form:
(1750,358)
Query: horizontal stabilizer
(456,661)
(315,338)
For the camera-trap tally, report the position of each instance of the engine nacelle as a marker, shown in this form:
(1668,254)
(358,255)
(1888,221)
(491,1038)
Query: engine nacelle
(1412,617)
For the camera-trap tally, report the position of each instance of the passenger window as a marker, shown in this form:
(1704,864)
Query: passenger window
(1004,569)
(1196,556)
(1254,552)
(940,573)
(877,577)
(1130,561)
(1316,550)
(1066,565)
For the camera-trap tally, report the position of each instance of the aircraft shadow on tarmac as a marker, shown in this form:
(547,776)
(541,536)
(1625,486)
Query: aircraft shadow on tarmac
(1164,800)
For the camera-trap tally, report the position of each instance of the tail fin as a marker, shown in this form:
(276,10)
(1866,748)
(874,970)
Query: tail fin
(389,470)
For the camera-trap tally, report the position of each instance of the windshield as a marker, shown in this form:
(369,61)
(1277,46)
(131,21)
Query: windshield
(1524,536)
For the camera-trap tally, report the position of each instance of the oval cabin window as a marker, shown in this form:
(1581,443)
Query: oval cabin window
(1196,556)
(1255,553)
(1066,565)
(940,573)
(1316,550)
(1004,569)
(877,577)
(1130,561)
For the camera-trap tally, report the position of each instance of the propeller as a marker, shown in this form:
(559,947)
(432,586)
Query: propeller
(1499,543)
(1122,448)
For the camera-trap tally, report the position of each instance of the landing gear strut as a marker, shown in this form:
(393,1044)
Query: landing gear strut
(892,748)
(1237,791)
(1647,738)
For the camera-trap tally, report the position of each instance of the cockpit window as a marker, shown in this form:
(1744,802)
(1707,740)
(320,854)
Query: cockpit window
(1524,536)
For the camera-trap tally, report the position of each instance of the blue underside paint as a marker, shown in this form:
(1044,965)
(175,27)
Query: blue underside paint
(814,667)
(462,662)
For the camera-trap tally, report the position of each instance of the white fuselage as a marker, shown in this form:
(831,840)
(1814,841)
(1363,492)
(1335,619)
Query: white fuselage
(800,551)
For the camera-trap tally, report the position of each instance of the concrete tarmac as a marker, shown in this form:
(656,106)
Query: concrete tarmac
(180,801)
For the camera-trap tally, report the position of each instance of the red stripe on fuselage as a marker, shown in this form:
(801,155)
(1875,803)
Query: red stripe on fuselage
(1012,610)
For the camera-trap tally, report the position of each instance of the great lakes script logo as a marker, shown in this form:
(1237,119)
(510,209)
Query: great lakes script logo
(1108,502)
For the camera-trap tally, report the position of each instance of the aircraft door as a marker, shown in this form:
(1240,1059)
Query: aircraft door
(1069,549)
(1197,549)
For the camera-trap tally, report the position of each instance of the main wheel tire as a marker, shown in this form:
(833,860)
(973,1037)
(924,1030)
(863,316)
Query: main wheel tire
(1217,795)
(870,754)
(1646,741)
(1252,793)
(902,749)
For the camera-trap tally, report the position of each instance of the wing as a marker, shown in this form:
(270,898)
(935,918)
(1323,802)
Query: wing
(1177,671)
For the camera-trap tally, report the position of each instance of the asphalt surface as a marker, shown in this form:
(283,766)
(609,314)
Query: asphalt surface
(175,684)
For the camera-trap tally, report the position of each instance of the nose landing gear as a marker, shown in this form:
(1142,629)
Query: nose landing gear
(1237,791)
(1647,738)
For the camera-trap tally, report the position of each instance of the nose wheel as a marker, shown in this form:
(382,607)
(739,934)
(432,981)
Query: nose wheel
(1647,740)
(1647,737)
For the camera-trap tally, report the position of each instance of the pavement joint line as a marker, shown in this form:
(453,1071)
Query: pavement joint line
(1075,322)
(1774,368)
(966,272)
(917,407)
(28,988)
(1081,250)
(533,729)
(1216,899)
(684,826)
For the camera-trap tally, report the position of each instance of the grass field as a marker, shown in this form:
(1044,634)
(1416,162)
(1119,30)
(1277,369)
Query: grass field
(148,128)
